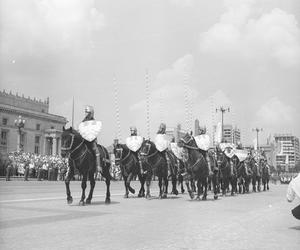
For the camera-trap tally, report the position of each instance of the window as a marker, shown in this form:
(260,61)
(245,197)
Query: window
(38,126)
(37,140)
(4,137)
(37,144)
(4,121)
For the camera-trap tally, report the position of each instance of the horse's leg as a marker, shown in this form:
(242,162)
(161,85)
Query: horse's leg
(254,183)
(205,182)
(69,177)
(199,187)
(92,183)
(129,178)
(148,182)
(174,184)
(142,189)
(126,187)
(165,183)
(83,187)
(160,184)
(268,183)
(215,187)
(107,182)
(188,179)
(259,184)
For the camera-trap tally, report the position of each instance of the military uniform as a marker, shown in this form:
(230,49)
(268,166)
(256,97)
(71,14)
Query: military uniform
(93,144)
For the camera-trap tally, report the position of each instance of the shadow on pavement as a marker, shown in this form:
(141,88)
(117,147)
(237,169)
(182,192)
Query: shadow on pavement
(295,228)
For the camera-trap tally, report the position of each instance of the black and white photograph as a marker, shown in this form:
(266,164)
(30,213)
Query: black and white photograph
(149,124)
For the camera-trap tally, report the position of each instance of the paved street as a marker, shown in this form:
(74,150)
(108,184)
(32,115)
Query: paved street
(35,215)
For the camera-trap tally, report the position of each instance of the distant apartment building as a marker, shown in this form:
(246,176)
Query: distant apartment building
(41,133)
(289,153)
(174,134)
(230,134)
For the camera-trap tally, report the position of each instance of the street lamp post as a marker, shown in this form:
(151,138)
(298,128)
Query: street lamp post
(257,131)
(19,123)
(222,110)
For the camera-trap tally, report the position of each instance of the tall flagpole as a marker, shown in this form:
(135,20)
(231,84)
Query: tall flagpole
(73,113)
(147,104)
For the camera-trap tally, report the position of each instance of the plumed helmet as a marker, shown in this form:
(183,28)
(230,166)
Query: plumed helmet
(202,129)
(162,126)
(89,109)
(133,129)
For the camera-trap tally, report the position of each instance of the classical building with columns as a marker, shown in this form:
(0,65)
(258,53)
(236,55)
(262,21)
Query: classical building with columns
(41,132)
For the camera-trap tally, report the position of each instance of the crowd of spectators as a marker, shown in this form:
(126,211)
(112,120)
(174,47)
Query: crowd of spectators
(42,167)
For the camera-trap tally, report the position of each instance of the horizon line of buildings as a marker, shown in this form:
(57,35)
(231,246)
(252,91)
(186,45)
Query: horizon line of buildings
(42,131)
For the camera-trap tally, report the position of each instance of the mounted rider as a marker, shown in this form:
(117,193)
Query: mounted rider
(162,143)
(89,131)
(203,141)
(134,143)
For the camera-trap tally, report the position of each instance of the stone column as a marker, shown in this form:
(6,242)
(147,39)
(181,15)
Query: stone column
(44,146)
(54,146)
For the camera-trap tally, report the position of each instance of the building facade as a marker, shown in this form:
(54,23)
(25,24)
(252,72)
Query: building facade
(41,133)
(289,153)
(230,134)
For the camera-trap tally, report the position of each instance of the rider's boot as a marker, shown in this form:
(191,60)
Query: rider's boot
(97,154)
(209,165)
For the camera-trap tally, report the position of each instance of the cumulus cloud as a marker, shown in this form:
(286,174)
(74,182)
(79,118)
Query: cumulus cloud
(182,3)
(170,95)
(276,113)
(40,26)
(246,30)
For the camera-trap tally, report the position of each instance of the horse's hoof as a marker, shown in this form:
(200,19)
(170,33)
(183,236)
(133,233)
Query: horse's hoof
(164,196)
(215,196)
(198,198)
(182,191)
(204,198)
(192,196)
(88,201)
(148,196)
(81,203)
(125,196)
(107,201)
(70,200)
(175,192)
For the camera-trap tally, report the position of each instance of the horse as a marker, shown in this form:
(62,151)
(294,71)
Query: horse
(213,180)
(243,176)
(228,173)
(181,170)
(130,167)
(197,167)
(256,174)
(83,159)
(154,163)
(265,176)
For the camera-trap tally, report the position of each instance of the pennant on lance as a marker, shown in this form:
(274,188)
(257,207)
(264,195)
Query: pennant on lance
(202,141)
(89,130)
(134,142)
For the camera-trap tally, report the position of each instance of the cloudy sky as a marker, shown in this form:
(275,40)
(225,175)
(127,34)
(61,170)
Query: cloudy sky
(199,55)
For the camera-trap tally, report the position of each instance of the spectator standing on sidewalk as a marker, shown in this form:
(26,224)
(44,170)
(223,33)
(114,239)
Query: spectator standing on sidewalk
(26,171)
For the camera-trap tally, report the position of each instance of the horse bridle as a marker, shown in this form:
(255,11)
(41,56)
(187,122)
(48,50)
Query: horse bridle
(72,151)
(71,144)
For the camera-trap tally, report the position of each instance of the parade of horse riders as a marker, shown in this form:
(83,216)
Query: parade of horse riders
(149,125)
